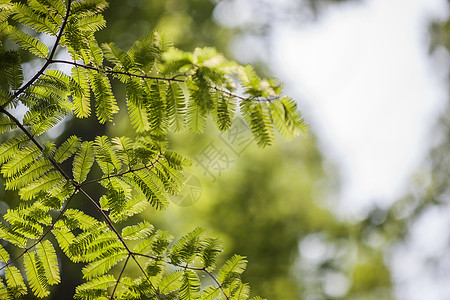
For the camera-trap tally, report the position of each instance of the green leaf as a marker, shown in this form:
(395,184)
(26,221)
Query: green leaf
(105,103)
(176,106)
(80,92)
(100,284)
(187,248)
(149,185)
(210,250)
(287,118)
(156,111)
(231,270)
(4,293)
(22,159)
(257,115)
(31,18)
(4,256)
(104,264)
(53,9)
(195,118)
(190,286)
(65,238)
(117,56)
(27,42)
(52,181)
(224,111)
(13,237)
(106,156)
(136,107)
(139,117)
(67,149)
(75,218)
(47,257)
(95,53)
(10,63)
(138,231)
(6,124)
(92,23)
(36,170)
(210,293)
(82,163)
(171,282)
(14,281)
(36,275)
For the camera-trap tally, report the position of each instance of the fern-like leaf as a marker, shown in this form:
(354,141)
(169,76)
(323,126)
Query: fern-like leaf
(136,108)
(53,9)
(257,115)
(104,264)
(27,42)
(6,124)
(195,118)
(149,185)
(52,181)
(106,156)
(11,236)
(80,93)
(36,170)
(36,275)
(94,288)
(33,19)
(67,149)
(286,118)
(20,160)
(65,238)
(105,103)
(138,231)
(171,282)
(156,110)
(14,281)
(11,147)
(242,292)
(10,64)
(74,218)
(190,286)
(47,257)
(187,248)
(92,23)
(176,106)
(231,270)
(82,163)
(210,250)
(210,293)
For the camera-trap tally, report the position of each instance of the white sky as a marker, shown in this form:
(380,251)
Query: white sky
(370,91)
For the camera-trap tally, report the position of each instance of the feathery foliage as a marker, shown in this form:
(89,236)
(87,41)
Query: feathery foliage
(166,90)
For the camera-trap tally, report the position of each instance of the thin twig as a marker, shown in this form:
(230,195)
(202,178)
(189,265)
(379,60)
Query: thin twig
(120,276)
(120,174)
(115,72)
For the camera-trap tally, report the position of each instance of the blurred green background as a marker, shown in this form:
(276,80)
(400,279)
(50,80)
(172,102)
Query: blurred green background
(275,205)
